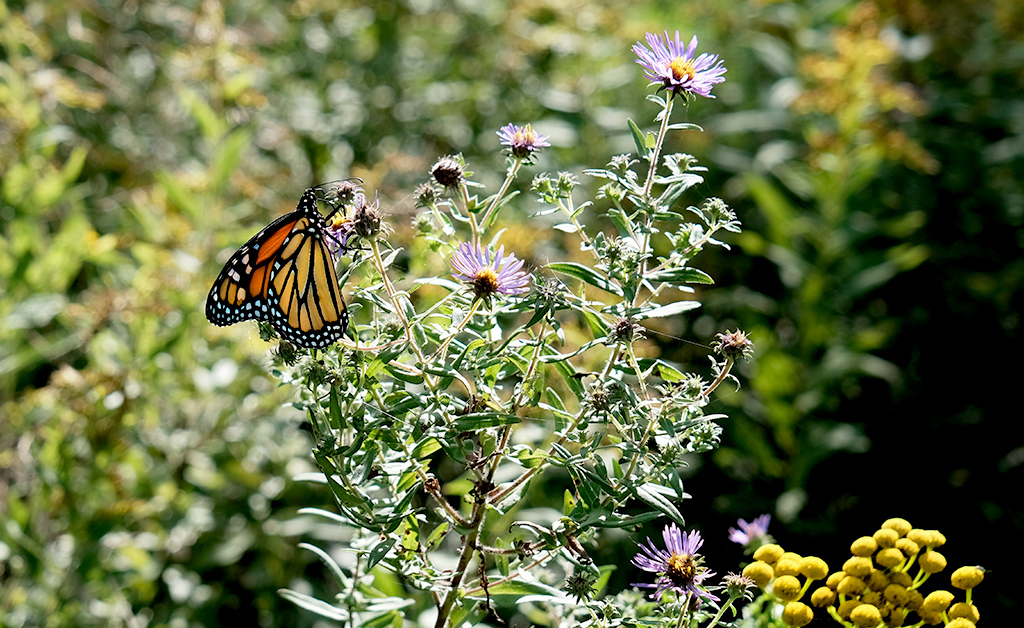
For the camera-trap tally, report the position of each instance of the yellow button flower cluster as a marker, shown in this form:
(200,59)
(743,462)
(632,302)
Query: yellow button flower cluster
(875,588)
(783,570)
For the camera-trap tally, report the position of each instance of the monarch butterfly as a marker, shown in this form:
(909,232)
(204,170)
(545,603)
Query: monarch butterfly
(284,275)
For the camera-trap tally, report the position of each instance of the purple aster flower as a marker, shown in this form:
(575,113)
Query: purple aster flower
(755,531)
(522,141)
(340,226)
(672,64)
(679,567)
(489,273)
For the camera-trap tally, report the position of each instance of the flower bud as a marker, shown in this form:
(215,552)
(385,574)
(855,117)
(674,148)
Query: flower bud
(760,572)
(901,526)
(965,610)
(786,588)
(865,616)
(769,553)
(932,561)
(937,601)
(797,614)
(967,577)
(823,596)
(813,568)
(864,546)
(886,537)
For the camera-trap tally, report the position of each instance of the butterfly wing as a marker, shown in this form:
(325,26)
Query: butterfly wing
(284,275)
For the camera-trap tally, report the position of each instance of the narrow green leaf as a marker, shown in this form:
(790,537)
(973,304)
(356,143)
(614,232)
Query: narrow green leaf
(638,138)
(314,605)
(654,495)
(436,535)
(379,551)
(617,521)
(330,563)
(685,126)
(510,593)
(482,420)
(403,376)
(670,373)
(447,284)
(530,458)
(596,323)
(425,447)
(585,274)
(670,309)
(334,409)
(320,512)
(681,275)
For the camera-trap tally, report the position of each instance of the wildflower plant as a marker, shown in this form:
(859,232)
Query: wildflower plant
(453,395)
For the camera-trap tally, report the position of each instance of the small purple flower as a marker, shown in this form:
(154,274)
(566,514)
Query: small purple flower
(522,141)
(755,531)
(679,567)
(672,64)
(489,273)
(341,227)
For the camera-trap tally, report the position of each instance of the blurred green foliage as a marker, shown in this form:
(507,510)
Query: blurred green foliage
(145,458)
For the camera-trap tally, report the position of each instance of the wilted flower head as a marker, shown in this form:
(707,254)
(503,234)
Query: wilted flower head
(754,532)
(580,585)
(489,273)
(449,172)
(342,192)
(733,345)
(425,194)
(679,567)
(673,65)
(739,586)
(522,141)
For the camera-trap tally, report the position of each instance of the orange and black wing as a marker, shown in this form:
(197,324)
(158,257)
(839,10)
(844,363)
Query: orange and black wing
(284,275)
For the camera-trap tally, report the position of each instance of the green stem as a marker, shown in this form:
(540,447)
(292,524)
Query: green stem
(721,612)
(438,355)
(512,171)
(378,262)
(656,152)
(718,380)
(682,611)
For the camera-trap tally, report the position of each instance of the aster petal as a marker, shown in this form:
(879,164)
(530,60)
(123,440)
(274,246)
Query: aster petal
(690,49)
(737,536)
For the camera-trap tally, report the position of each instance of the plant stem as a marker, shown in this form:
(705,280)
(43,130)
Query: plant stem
(656,152)
(438,355)
(468,548)
(512,171)
(718,380)
(682,611)
(378,262)
(721,611)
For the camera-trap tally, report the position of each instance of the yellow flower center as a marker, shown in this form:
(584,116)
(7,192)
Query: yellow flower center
(682,68)
(524,136)
(681,569)
(486,282)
